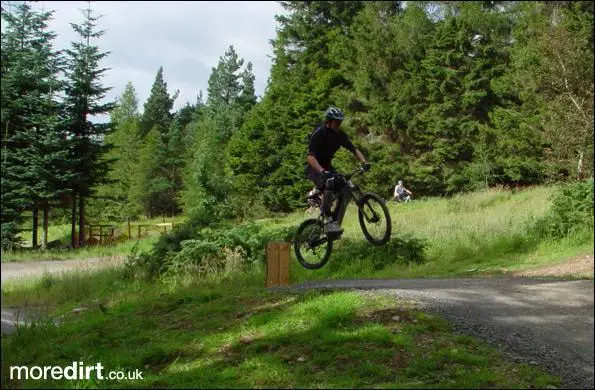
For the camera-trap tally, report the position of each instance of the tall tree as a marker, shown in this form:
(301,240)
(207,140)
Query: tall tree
(35,170)
(127,142)
(227,98)
(157,109)
(158,181)
(147,188)
(553,69)
(247,98)
(304,79)
(127,107)
(84,96)
(230,97)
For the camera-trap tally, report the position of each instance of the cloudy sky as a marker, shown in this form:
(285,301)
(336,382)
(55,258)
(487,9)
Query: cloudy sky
(185,37)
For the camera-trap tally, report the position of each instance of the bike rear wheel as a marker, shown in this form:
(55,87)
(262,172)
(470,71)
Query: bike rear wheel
(374,219)
(311,244)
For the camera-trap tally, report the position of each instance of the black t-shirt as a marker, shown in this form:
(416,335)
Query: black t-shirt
(325,142)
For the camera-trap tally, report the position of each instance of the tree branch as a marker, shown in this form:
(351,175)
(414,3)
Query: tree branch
(578,107)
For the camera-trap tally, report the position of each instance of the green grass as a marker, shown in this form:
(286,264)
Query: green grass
(481,233)
(120,249)
(63,233)
(228,334)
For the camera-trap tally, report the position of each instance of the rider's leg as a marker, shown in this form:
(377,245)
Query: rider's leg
(330,194)
(326,203)
(320,182)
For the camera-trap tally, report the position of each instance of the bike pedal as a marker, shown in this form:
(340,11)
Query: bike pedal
(334,236)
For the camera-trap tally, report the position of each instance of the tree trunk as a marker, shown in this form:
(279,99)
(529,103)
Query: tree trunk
(35,224)
(73,240)
(579,168)
(81,221)
(46,214)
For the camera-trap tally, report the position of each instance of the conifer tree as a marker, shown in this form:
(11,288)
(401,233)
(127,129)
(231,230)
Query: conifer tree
(127,142)
(84,97)
(35,167)
(157,109)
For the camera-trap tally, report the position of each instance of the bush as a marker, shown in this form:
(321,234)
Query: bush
(399,250)
(207,249)
(213,248)
(9,236)
(150,264)
(571,211)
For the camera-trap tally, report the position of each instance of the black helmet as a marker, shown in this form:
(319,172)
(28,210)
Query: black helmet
(333,113)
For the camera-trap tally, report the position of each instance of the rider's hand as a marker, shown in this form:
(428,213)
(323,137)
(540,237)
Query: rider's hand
(327,174)
(366,166)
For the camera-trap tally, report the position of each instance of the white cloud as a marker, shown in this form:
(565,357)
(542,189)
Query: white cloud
(186,38)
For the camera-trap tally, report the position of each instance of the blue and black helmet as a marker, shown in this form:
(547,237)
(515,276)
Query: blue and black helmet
(333,113)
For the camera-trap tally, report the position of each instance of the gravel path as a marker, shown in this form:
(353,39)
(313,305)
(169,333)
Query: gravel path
(541,322)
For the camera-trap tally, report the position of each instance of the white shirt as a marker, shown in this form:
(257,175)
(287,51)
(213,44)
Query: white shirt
(399,190)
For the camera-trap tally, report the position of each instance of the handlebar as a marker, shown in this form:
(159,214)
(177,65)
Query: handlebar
(354,173)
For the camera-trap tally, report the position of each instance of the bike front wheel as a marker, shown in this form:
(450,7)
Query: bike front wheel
(374,219)
(311,244)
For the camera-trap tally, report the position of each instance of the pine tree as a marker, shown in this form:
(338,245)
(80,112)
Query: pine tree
(247,98)
(304,81)
(552,68)
(127,142)
(157,109)
(174,164)
(230,98)
(84,94)
(35,166)
(145,187)
(127,107)
(225,87)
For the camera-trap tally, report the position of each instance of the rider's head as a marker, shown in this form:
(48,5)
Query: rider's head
(400,182)
(333,117)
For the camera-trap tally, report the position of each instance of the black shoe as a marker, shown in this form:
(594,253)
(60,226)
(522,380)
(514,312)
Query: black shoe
(333,228)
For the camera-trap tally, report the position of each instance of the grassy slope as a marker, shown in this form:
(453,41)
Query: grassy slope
(472,234)
(229,335)
(484,231)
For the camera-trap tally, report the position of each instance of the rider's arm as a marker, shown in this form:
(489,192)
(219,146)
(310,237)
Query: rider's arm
(347,144)
(314,164)
(359,156)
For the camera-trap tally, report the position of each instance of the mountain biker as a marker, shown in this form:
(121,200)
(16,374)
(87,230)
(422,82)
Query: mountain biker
(400,191)
(324,143)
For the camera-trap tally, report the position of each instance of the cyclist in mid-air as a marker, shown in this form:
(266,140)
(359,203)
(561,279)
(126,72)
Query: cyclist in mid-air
(324,143)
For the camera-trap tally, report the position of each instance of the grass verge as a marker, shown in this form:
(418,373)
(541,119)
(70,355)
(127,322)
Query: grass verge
(120,249)
(227,334)
(62,233)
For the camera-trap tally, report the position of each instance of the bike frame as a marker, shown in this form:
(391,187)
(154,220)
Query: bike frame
(345,194)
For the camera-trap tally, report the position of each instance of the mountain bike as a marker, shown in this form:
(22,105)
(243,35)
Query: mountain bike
(313,246)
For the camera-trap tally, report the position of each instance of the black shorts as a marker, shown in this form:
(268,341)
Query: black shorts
(316,177)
